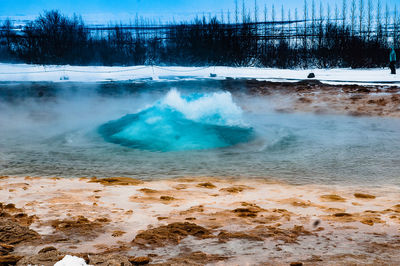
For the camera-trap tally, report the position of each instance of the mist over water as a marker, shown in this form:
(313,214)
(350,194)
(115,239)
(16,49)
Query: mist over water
(188,131)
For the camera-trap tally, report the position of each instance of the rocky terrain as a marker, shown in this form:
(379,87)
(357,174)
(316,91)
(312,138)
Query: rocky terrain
(196,221)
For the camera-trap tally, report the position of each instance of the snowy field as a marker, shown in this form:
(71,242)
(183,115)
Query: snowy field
(24,72)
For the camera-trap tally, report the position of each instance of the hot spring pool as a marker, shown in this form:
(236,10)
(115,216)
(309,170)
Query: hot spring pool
(171,132)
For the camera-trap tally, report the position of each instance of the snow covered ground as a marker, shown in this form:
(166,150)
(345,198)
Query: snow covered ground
(24,72)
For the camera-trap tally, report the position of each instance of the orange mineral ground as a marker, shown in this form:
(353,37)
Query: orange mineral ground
(197,221)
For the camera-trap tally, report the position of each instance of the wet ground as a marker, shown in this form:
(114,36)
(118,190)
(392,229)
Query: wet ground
(201,220)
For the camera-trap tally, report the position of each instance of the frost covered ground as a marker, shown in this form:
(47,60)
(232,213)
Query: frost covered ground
(24,72)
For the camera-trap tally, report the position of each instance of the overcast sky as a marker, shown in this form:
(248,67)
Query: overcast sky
(101,11)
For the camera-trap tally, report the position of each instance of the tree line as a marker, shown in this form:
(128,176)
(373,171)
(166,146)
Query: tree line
(359,33)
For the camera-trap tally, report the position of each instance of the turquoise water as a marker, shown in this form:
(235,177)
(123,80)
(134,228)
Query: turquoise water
(171,132)
(195,122)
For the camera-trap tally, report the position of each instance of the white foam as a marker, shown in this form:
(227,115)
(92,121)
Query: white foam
(210,108)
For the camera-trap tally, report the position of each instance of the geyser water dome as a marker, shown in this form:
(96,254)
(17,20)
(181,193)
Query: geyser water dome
(194,122)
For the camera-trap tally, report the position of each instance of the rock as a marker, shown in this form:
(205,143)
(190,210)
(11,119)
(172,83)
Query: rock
(332,197)
(44,259)
(364,196)
(12,233)
(139,260)
(342,214)
(311,76)
(316,223)
(225,236)
(47,249)
(296,264)
(109,260)
(148,190)
(9,259)
(235,189)
(118,233)
(167,198)
(10,206)
(117,181)
(79,225)
(250,211)
(195,258)
(170,234)
(207,185)
(5,249)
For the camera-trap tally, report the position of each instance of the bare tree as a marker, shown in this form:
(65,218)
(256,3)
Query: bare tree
(361,17)
(395,28)
(353,16)
(321,23)
(328,14)
(244,12)
(305,23)
(344,14)
(379,17)
(273,21)
(289,26)
(265,13)
(312,21)
(297,24)
(282,20)
(265,28)
(255,11)
(369,22)
(336,15)
(236,12)
(387,22)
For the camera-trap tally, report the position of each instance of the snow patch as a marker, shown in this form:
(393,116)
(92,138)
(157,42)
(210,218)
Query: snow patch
(25,72)
(69,260)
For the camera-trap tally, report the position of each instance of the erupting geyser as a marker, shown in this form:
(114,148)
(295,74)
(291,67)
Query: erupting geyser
(194,122)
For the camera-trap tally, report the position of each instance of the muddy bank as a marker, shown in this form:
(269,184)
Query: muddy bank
(196,221)
(316,97)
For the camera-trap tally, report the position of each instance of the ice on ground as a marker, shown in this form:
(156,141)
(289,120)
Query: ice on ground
(25,72)
(69,260)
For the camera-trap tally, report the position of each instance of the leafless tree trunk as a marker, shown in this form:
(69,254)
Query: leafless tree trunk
(336,15)
(244,12)
(344,14)
(236,12)
(289,27)
(273,22)
(369,22)
(379,21)
(265,29)
(328,14)
(282,19)
(297,25)
(305,24)
(353,17)
(312,22)
(321,23)
(395,28)
(361,17)
(387,23)
(255,11)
